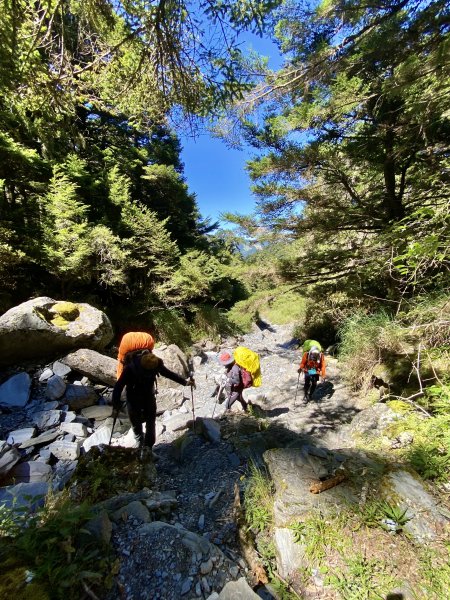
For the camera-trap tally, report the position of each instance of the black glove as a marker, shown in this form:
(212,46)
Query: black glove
(299,370)
(191,381)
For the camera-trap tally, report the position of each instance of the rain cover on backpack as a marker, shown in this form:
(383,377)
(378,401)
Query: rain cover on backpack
(249,360)
(308,344)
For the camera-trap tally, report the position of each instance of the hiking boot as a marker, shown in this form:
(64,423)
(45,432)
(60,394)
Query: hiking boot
(306,397)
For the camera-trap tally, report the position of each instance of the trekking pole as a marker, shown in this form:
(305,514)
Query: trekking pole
(296,391)
(191,375)
(116,414)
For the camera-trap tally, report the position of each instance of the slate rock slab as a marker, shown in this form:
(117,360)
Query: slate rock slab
(31,472)
(19,436)
(92,364)
(65,450)
(80,396)
(45,419)
(44,438)
(8,458)
(21,495)
(407,490)
(15,392)
(100,436)
(56,386)
(238,590)
(97,412)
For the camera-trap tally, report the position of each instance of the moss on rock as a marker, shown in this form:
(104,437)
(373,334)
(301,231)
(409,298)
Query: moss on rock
(67,310)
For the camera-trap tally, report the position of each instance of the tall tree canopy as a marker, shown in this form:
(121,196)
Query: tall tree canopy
(355,142)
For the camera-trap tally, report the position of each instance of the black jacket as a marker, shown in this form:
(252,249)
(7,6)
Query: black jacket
(140,382)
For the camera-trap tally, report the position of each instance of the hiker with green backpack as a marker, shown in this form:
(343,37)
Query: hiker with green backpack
(242,371)
(313,366)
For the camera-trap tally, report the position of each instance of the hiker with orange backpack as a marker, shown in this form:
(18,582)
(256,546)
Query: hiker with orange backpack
(313,366)
(137,370)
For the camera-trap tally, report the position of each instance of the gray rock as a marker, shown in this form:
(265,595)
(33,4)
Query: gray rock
(169,398)
(238,590)
(80,396)
(68,416)
(92,364)
(31,472)
(19,436)
(186,586)
(8,458)
(44,438)
(371,419)
(177,422)
(206,567)
(50,405)
(62,472)
(406,490)
(100,527)
(134,509)
(56,386)
(100,436)
(292,475)
(175,360)
(46,374)
(209,428)
(97,412)
(45,419)
(64,450)
(27,331)
(21,495)
(289,554)
(61,369)
(15,392)
(77,429)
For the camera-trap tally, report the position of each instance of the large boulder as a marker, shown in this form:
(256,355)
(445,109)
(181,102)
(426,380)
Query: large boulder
(94,365)
(44,327)
(175,360)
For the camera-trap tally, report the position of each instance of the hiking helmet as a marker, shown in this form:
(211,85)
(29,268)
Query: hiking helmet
(226,357)
(314,351)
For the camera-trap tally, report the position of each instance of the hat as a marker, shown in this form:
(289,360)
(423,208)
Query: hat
(226,358)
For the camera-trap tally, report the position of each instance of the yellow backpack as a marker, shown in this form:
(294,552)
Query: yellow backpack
(249,360)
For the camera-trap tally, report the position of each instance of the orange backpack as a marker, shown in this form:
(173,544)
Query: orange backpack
(132,341)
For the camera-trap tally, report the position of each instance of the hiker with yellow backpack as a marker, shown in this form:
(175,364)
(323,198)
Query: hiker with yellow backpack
(242,370)
(313,366)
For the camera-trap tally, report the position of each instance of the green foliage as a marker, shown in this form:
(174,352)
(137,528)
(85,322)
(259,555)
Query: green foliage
(258,499)
(363,338)
(317,534)
(60,553)
(363,578)
(171,328)
(279,305)
(66,241)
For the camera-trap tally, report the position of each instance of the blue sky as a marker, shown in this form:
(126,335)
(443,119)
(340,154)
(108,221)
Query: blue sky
(216,173)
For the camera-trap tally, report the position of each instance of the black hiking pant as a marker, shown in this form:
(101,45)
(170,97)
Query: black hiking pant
(143,412)
(310,384)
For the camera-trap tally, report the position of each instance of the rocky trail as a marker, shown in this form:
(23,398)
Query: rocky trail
(154,562)
(175,523)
